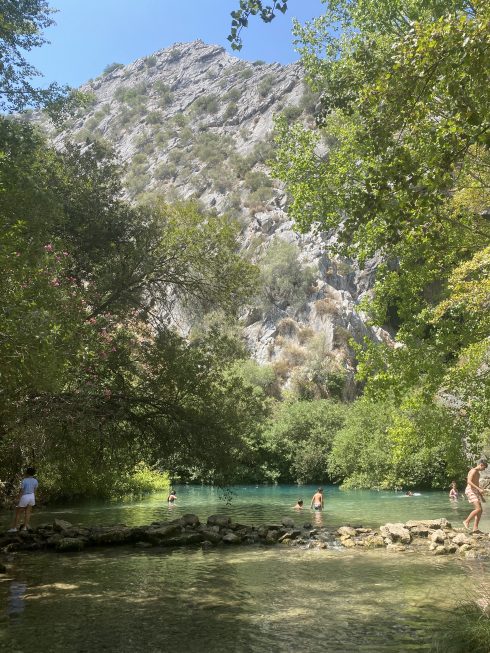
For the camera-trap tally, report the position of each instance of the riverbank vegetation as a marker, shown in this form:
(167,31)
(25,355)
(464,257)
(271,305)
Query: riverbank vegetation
(398,165)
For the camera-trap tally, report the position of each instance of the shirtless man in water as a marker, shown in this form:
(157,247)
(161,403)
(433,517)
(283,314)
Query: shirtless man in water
(474,494)
(317,500)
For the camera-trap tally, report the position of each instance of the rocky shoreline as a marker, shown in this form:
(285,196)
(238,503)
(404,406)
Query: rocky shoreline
(436,536)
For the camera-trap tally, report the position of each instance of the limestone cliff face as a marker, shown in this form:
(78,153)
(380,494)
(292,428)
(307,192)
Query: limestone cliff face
(193,121)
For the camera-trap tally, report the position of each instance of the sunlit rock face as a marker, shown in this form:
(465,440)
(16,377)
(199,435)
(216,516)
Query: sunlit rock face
(191,121)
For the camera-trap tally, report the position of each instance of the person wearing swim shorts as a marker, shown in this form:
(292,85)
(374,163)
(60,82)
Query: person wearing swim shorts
(27,499)
(317,500)
(474,494)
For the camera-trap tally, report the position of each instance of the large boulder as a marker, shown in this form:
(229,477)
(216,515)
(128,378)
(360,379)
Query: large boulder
(190,520)
(396,533)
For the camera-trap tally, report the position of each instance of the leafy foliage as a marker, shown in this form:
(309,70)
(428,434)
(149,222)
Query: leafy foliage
(299,436)
(252,8)
(93,379)
(397,164)
(21,29)
(284,281)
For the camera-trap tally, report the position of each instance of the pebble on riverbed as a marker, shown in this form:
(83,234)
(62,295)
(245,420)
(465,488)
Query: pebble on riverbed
(434,535)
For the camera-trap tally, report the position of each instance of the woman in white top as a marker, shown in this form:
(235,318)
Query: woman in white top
(27,499)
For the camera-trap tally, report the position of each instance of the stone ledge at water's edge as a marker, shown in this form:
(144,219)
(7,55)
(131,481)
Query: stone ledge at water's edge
(433,535)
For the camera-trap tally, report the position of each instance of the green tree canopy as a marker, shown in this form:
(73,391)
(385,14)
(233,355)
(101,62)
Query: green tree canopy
(22,23)
(398,166)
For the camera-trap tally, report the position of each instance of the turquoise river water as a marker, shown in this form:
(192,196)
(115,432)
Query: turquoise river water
(238,600)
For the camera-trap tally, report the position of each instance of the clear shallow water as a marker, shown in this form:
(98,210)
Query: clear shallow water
(243,600)
(238,600)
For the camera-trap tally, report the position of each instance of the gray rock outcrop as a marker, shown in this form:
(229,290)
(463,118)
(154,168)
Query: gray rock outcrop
(192,121)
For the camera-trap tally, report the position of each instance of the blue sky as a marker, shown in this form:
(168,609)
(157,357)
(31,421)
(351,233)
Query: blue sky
(93,33)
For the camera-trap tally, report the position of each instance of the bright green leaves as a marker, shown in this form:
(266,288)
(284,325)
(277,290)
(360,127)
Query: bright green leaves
(399,166)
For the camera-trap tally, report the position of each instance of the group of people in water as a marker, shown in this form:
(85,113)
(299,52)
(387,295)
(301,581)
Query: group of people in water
(473,492)
(317,502)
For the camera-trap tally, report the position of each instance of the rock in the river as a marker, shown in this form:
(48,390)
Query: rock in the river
(374,541)
(211,536)
(70,544)
(397,547)
(396,533)
(461,538)
(111,535)
(440,550)
(61,525)
(231,538)
(346,531)
(219,520)
(437,537)
(190,520)
(287,522)
(429,523)
(185,539)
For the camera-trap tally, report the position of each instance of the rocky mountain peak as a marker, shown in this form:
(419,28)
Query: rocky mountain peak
(193,121)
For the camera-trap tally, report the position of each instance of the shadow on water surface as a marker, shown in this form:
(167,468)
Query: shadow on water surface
(237,600)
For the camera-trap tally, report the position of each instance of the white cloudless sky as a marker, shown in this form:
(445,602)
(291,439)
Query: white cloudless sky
(90,34)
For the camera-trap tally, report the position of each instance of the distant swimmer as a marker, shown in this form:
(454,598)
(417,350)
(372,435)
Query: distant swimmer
(299,505)
(172,496)
(317,500)
(409,493)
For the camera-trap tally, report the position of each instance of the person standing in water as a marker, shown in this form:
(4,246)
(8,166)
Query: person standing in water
(453,492)
(172,496)
(317,500)
(474,494)
(27,499)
